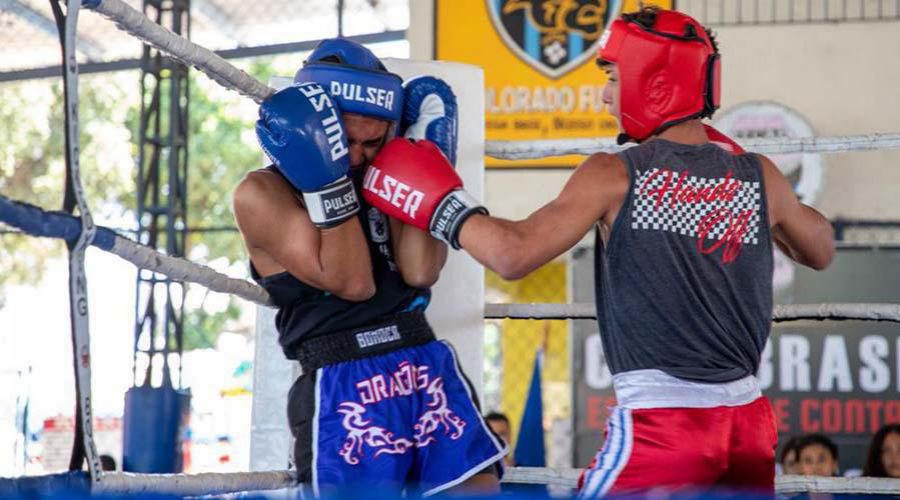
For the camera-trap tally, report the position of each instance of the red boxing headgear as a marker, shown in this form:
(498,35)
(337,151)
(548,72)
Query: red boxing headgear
(668,74)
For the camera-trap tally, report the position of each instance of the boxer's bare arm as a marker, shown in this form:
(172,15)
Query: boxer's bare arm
(513,249)
(419,257)
(280,236)
(801,232)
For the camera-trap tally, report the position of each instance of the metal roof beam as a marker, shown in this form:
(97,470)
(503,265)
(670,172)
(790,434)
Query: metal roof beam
(239,53)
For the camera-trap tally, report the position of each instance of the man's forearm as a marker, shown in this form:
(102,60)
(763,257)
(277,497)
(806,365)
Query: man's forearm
(344,261)
(498,244)
(419,256)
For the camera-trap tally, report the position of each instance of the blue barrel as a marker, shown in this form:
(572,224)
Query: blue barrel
(155,422)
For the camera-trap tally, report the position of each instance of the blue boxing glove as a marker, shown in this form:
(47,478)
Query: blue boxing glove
(301,130)
(429,112)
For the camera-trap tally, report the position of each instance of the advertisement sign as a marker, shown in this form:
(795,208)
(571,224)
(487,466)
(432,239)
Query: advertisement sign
(838,378)
(541,81)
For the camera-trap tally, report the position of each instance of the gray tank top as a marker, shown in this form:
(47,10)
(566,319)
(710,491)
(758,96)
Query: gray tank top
(684,282)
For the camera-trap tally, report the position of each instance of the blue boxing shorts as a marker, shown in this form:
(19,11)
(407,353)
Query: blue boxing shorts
(406,418)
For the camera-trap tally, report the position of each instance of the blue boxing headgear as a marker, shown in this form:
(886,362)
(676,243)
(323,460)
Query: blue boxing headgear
(355,78)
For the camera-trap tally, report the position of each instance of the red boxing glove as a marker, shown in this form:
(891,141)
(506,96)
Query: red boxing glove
(413,182)
(723,141)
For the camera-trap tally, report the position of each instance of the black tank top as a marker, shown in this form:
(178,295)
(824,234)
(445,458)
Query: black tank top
(306,312)
(684,284)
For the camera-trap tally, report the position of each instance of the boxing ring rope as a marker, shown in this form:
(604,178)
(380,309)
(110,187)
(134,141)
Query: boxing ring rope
(235,482)
(785,484)
(227,75)
(780,313)
(529,150)
(183,485)
(37,222)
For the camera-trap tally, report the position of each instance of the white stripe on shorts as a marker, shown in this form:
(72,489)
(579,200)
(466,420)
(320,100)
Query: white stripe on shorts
(613,457)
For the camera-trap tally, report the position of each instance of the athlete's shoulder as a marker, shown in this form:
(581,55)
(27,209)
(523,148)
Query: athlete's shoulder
(603,167)
(261,182)
(603,161)
(259,189)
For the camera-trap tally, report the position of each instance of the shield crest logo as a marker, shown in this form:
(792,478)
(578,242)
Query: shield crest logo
(552,36)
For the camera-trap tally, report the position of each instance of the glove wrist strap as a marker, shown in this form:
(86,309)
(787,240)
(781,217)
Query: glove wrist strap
(333,204)
(450,214)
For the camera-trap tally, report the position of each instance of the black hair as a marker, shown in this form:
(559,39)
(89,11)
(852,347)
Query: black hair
(789,446)
(496,416)
(107,463)
(646,17)
(820,439)
(874,467)
(334,59)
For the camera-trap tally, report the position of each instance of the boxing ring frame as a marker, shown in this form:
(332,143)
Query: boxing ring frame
(37,222)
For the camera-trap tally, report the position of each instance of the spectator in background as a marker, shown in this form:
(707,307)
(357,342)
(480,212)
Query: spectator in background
(108,463)
(788,458)
(817,455)
(500,425)
(884,453)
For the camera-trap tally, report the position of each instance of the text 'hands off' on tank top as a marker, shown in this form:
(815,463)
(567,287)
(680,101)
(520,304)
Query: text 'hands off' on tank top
(684,282)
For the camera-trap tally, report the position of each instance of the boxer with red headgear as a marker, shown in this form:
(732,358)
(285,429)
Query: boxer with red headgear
(685,233)
(669,72)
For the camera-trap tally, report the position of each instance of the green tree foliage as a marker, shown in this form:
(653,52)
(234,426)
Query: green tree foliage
(221,149)
(32,162)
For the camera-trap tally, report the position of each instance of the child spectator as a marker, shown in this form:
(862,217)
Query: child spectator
(817,455)
(884,453)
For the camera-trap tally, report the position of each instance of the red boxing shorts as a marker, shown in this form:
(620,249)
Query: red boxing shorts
(728,447)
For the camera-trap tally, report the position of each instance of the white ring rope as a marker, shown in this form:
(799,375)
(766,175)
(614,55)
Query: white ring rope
(529,150)
(222,483)
(194,484)
(863,312)
(140,26)
(183,270)
(559,478)
(786,484)
(788,312)
(37,222)
(845,485)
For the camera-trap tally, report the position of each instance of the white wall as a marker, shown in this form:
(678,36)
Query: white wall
(421,30)
(843,79)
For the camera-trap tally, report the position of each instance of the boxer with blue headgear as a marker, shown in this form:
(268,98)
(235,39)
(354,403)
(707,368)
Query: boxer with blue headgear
(424,107)
(381,402)
(356,79)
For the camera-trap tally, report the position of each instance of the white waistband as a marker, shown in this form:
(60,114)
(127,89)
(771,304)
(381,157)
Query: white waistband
(656,389)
